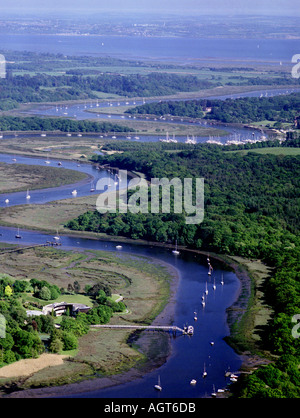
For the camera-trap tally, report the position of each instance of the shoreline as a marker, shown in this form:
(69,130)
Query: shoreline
(165,317)
(167,313)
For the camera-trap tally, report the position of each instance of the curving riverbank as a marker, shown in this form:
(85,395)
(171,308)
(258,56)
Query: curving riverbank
(168,313)
(135,374)
(86,383)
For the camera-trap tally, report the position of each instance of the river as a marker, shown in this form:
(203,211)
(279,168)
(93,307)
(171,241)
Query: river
(190,354)
(81,112)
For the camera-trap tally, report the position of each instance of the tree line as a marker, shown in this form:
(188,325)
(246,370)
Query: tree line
(44,87)
(282,108)
(15,123)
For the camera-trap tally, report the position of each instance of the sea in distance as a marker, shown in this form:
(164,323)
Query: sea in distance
(177,50)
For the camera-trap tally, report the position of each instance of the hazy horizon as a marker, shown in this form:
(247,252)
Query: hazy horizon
(186,7)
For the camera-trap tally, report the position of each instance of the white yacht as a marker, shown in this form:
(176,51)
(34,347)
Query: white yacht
(176,252)
(191,141)
(204,374)
(56,237)
(222,280)
(158,385)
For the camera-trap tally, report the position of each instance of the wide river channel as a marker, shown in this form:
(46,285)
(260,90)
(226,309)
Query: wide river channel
(87,111)
(190,354)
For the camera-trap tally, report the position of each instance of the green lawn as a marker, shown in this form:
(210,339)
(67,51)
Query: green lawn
(275,151)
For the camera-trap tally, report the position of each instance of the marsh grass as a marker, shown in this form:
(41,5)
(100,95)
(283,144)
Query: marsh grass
(19,177)
(144,284)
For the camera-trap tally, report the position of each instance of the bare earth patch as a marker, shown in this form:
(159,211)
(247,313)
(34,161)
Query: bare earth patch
(28,366)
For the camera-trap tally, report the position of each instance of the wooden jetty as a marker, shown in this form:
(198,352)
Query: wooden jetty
(171,328)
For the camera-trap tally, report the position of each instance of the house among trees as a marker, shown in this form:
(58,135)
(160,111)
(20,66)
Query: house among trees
(60,308)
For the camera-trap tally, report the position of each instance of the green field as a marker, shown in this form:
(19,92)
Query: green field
(274,150)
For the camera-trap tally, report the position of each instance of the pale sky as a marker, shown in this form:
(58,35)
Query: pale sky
(256,7)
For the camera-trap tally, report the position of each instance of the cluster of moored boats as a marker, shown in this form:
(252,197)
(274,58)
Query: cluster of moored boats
(233,378)
(236,140)
(191,141)
(190,330)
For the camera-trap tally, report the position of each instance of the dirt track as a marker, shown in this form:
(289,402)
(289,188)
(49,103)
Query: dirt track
(28,366)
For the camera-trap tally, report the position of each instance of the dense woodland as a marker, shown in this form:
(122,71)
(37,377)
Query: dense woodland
(15,123)
(251,210)
(284,108)
(31,78)
(47,88)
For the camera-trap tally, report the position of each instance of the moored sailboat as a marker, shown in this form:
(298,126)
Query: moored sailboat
(158,385)
(18,234)
(204,374)
(222,280)
(210,269)
(176,252)
(56,237)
